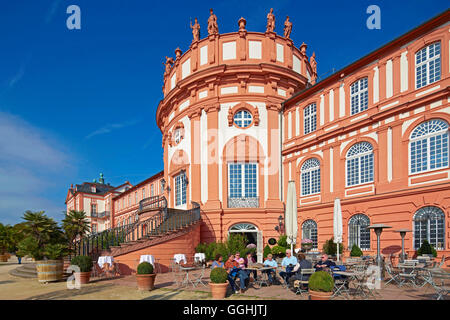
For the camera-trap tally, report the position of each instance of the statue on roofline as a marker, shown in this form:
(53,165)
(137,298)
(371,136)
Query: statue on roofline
(287,28)
(195,30)
(270,21)
(169,62)
(213,28)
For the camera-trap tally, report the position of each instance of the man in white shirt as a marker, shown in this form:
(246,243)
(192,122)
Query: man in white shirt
(271,273)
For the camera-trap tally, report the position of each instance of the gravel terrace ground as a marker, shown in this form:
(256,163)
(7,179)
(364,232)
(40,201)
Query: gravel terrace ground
(125,288)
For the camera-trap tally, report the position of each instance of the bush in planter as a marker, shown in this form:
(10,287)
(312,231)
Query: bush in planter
(279,251)
(321,281)
(282,241)
(426,248)
(330,248)
(145,268)
(356,251)
(218,275)
(83,262)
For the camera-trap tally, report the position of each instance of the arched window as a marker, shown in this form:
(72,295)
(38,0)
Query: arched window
(243,227)
(428,146)
(310,118)
(358,233)
(428,65)
(429,224)
(309,231)
(242,118)
(359,164)
(310,176)
(359,95)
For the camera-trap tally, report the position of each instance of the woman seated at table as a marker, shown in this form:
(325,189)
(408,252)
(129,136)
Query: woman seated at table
(232,267)
(302,264)
(271,273)
(218,263)
(250,262)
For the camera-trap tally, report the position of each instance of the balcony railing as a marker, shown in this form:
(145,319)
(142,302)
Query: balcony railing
(103,214)
(152,203)
(243,202)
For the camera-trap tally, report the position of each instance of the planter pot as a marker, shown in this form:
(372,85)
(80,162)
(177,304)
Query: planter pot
(82,277)
(306,247)
(318,295)
(49,270)
(146,282)
(218,290)
(3,258)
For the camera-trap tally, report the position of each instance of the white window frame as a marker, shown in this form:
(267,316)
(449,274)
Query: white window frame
(243,179)
(182,190)
(427,137)
(177,135)
(310,119)
(310,171)
(143,193)
(242,119)
(152,193)
(356,91)
(427,62)
(359,155)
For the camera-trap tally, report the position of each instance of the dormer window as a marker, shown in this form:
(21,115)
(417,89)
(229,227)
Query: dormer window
(93,189)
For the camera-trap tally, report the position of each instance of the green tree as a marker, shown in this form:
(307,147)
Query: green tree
(75,224)
(5,238)
(356,251)
(330,247)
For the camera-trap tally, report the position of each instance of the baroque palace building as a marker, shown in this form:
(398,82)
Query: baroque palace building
(243,114)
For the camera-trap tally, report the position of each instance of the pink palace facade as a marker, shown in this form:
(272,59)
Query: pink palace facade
(243,114)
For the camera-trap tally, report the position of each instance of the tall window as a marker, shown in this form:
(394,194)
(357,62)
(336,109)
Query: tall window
(428,65)
(129,200)
(309,231)
(94,228)
(93,210)
(151,190)
(310,176)
(180,189)
(310,118)
(242,118)
(358,233)
(136,198)
(429,146)
(242,180)
(429,224)
(360,164)
(143,193)
(359,95)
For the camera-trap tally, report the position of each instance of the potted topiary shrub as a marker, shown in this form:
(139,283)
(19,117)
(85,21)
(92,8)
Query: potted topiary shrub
(426,249)
(145,276)
(218,283)
(356,251)
(84,263)
(320,286)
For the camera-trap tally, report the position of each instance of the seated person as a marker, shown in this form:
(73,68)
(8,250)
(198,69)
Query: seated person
(232,268)
(271,273)
(242,273)
(218,263)
(302,264)
(250,262)
(324,263)
(288,263)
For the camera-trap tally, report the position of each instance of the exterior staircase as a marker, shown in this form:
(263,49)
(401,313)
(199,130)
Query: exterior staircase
(162,224)
(26,270)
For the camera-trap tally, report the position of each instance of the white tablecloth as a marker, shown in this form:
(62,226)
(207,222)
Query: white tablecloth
(199,256)
(103,259)
(148,258)
(178,257)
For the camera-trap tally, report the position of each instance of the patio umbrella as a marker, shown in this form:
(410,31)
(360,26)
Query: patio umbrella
(337,223)
(291,214)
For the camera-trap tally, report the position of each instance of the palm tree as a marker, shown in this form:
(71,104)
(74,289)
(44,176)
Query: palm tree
(40,227)
(75,224)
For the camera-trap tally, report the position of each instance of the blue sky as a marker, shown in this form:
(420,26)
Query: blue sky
(74,103)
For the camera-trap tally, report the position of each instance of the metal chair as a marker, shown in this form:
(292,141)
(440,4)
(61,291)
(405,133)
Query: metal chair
(340,282)
(304,276)
(407,275)
(178,275)
(198,277)
(393,273)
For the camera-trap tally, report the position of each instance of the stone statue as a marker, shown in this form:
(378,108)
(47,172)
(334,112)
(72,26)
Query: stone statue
(213,28)
(287,28)
(195,30)
(270,21)
(169,62)
(313,63)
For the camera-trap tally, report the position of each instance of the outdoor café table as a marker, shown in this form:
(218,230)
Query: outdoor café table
(147,258)
(105,259)
(264,276)
(199,257)
(409,272)
(186,279)
(179,257)
(357,278)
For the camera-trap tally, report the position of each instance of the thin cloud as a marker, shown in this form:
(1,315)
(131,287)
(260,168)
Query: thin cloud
(52,11)
(16,78)
(111,127)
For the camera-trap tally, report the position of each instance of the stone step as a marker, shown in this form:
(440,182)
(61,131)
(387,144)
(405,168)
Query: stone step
(25,271)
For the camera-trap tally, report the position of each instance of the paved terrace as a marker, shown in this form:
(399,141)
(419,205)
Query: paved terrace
(125,288)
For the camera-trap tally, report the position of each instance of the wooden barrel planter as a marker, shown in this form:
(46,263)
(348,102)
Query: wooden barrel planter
(3,258)
(49,270)
(318,295)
